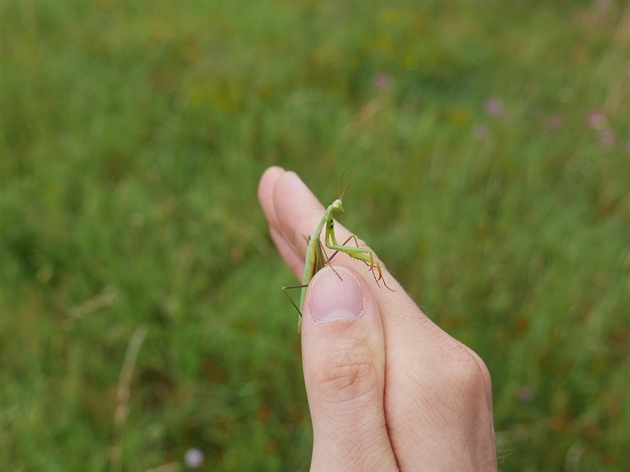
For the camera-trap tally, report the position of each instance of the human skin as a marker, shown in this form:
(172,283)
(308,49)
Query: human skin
(387,388)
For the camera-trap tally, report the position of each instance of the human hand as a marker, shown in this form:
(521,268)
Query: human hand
(387,388)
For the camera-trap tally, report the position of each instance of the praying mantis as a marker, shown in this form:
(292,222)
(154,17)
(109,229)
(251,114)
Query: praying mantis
(316,257)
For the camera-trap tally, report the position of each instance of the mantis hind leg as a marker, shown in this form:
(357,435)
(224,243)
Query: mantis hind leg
(284,290)
(286,294)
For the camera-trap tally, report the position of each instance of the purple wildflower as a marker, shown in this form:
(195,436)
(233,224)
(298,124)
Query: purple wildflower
(607,138)
(525,394)
(494,107)
(193,458)
(596,119)
(382,81)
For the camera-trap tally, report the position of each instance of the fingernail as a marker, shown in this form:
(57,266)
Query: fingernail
(335,296)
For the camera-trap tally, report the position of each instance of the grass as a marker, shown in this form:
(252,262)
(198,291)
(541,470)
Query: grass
(133,135)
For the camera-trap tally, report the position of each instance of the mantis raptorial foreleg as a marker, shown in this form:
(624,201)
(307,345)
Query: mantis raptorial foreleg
(362,254)
(316,257)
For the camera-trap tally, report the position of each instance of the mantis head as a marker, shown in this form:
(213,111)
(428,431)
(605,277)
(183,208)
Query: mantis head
(337,205)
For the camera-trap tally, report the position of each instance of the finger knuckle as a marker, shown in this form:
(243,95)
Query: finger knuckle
(466,372)
(346,375)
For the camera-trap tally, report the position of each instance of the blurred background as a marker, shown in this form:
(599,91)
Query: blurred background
(142,326)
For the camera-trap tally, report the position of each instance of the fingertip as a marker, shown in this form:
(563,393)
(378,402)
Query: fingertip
(298,209)
(267,182)
(288,186)
(293,259)
(266,188)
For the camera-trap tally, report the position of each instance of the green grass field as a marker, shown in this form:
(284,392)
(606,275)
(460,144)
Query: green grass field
(133,135)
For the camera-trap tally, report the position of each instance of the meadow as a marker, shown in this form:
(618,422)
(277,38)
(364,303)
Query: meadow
(141,317)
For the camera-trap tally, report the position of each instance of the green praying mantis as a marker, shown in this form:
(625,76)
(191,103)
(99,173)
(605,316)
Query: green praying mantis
(316,257)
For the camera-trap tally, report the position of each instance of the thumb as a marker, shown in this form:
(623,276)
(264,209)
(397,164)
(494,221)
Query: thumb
(343,356)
